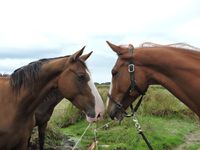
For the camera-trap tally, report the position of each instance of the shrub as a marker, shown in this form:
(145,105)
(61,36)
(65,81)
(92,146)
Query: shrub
(160,102)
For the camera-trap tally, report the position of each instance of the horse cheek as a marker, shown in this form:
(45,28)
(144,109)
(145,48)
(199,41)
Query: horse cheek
(63,88)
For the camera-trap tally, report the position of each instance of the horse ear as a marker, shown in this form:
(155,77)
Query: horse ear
(86,56)
(115,48)
(76,55)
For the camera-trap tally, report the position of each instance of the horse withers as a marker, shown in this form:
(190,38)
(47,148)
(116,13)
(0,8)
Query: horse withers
(175,67)
(26,88)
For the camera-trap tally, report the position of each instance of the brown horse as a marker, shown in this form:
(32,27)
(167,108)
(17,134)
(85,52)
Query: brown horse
(44,112)
(26,88)
(174,66)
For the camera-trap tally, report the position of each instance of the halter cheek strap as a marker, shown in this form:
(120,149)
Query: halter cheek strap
(133,87)
(131,69)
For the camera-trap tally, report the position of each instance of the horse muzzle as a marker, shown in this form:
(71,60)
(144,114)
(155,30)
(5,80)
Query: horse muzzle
(117,113)
(94,117)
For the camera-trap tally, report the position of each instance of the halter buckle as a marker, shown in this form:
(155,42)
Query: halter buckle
(131,68)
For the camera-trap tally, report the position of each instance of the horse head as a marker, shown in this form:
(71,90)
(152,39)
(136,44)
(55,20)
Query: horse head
(75,83)
(120,94)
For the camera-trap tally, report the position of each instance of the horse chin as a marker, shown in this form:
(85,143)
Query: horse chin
(95,119)
(91,120)
(119,116)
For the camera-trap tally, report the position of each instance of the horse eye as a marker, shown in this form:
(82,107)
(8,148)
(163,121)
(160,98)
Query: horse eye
(81,77)
(114,73)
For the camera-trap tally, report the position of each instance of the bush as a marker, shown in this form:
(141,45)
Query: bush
(160,102)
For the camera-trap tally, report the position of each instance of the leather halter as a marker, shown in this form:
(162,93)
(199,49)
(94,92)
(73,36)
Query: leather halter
(133,87)
(131,69)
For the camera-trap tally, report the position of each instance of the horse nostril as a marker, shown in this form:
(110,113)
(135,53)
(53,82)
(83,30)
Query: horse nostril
(99,116)
(112,116)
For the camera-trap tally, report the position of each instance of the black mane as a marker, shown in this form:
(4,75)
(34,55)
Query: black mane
(26,76)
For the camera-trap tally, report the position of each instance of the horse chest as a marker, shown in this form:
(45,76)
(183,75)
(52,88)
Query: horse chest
(7,115)
(15,133)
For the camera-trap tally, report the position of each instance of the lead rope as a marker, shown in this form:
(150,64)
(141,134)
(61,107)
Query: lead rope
(95,137)
(95,133)
(81,137)
(137,124)
(139,129)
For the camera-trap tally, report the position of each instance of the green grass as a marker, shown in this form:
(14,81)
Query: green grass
(194,147)
(159,102)
(163,133)
(165,121)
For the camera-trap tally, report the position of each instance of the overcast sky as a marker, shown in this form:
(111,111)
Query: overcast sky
(31,30)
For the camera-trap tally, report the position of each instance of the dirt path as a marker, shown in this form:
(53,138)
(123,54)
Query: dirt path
(190,139)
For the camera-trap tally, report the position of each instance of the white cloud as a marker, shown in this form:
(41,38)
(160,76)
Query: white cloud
(190,28)
(34,26)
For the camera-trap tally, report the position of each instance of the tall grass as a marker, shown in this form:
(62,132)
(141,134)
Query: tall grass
(160,102)
(65,114)
(157,102)
(163,133)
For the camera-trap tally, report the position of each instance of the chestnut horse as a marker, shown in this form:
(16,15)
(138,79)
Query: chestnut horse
(26,88)
(174,66)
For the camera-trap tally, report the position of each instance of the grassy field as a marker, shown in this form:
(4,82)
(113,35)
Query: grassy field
(164,119)
(163,133)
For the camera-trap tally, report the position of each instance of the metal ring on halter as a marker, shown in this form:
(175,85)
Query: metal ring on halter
(131,68)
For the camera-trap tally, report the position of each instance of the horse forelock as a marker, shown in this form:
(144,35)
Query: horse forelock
(83,63)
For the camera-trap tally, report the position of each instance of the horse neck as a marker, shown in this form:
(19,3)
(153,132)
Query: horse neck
(47,80)
(167,61)
(174,69)
(165,56)
(45,109)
